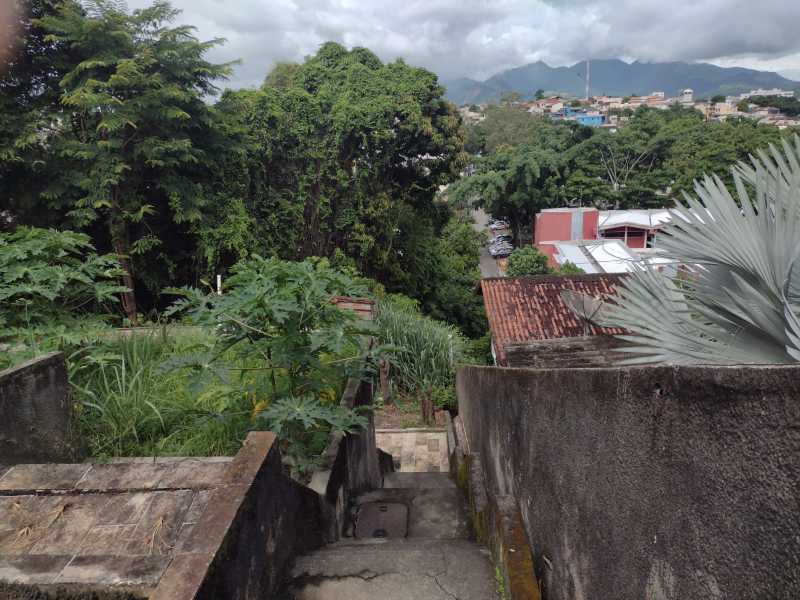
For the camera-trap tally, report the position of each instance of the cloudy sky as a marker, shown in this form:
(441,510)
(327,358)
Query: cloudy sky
(477,38)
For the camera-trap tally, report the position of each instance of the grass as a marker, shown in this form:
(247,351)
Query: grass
(129,404)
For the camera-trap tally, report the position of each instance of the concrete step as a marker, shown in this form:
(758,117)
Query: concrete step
(437,513)
(410,569)
(418,480)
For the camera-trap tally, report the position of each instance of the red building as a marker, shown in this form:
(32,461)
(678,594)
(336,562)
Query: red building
(635,228)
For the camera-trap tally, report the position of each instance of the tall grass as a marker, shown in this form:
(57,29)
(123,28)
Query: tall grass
(129,405)
(426,351)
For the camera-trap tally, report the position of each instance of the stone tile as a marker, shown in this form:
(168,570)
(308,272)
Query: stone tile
(105,540)
(124,509)
(194,474)
(114,570)
(129,476)
(158,528)
(24,521)
(433,445)
(31,569)
(4,469)
(67,523)
(48,476)
(199,503)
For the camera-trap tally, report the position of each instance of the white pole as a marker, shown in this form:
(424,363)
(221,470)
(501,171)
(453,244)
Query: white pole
(219,285)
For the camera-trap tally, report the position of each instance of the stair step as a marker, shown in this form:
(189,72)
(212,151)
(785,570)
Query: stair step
(432,512)
(395,570)
(418,480)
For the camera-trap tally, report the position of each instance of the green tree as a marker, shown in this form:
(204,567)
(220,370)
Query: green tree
(718,99)
(516,182)
(527,261)
(344,157)
(509,98)
(539,95)
(134,123)
(29,91)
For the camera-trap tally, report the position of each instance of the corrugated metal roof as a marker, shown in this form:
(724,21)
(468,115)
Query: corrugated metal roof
(597,256)
(644,218)
(524,309)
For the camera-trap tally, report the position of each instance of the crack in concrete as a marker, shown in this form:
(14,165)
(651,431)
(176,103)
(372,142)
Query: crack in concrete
(437,575)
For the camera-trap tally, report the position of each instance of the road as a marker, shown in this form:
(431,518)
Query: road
(489,266)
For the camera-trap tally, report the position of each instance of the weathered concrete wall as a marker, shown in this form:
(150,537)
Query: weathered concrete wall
(36,413)
(253,527)
(351,464)
(656,483)
(565,353)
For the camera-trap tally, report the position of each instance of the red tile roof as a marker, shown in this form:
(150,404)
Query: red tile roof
(525,309)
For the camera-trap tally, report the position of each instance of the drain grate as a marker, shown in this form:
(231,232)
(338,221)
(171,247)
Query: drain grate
(382,520)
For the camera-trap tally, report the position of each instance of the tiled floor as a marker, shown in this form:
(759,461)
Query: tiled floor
(419,451)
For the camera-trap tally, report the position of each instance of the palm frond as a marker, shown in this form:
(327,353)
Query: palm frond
(740,303)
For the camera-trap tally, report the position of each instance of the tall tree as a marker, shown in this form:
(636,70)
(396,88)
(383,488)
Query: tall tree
(345,148)
(31,68)
(135,130)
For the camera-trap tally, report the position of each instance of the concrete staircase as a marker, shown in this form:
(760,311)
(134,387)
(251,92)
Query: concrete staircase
(412,542)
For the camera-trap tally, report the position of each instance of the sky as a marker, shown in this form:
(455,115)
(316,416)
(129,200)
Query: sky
(478,38)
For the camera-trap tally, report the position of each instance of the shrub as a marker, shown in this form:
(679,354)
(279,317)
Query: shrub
(52,286)
(527,261)
(425,351)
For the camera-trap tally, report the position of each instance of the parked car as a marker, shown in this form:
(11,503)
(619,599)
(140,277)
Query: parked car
(500,249)
(498,224)
(502,237)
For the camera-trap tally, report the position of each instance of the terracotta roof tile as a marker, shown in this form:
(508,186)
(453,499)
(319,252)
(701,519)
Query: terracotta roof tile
(524,309)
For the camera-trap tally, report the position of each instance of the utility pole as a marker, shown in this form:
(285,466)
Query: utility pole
(588,77)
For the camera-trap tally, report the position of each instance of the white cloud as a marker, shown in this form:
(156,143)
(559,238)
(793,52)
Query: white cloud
(477,38)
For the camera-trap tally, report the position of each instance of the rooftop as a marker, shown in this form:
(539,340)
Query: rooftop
(524,309)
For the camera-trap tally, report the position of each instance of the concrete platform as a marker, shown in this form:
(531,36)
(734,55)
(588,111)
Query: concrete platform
(436,513)
(101,525)
(436,561)
(409,569)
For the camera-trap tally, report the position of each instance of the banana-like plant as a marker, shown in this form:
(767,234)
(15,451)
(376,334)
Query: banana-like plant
(741,301)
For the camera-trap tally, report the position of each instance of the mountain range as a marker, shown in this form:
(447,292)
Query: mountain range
(616,78)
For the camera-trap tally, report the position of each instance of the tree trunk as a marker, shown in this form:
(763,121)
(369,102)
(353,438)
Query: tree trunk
(121,242)
(426,404)
(386,384)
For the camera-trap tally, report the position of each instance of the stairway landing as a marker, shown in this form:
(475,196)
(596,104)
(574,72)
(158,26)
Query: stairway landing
(437,560)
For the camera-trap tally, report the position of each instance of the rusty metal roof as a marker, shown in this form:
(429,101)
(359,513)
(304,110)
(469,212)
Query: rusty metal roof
(524,309)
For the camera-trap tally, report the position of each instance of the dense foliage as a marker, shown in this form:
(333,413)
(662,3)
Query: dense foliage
(527,261)
(54,291)
(425,352)
(527,163)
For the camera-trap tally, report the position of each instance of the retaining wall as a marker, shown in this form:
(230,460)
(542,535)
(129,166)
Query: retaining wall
(656,483)
(36,413)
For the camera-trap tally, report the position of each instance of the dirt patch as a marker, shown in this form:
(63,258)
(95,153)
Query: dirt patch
(405,415)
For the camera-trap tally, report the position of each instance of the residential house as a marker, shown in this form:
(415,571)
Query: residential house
(523,310)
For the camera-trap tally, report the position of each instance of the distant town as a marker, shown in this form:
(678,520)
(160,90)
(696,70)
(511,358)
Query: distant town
(613,112)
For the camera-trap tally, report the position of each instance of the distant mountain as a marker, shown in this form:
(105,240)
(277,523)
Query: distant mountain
(793,74)
(617,78)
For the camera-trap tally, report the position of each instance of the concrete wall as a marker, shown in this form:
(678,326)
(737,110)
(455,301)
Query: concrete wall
(649,483)
(36,415)
(251,530)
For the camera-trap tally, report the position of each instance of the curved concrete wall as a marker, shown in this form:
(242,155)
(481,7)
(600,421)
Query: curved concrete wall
(651,483)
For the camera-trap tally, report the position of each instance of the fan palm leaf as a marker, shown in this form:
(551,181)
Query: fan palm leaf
(741,303)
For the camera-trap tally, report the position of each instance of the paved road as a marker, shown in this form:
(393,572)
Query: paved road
(489,266)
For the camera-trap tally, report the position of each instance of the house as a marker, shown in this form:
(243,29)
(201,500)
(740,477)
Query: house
(637,228)
(532,309)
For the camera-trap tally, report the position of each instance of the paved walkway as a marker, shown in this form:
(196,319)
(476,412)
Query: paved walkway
(415,450)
